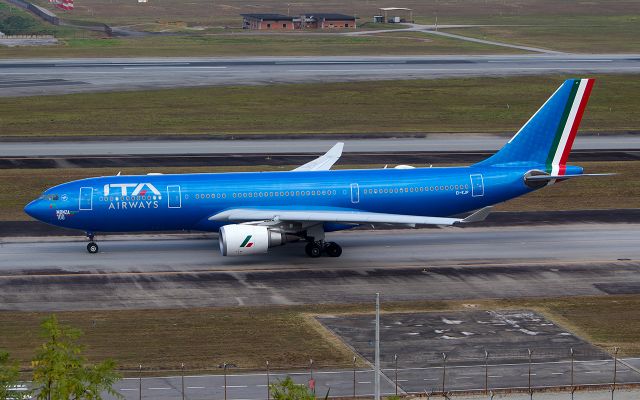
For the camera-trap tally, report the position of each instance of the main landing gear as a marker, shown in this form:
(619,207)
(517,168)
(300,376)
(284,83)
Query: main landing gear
(315,249)
(92,247)
(317,244)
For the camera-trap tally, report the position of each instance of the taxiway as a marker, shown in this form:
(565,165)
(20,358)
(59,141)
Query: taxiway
(56,76)
(451,263)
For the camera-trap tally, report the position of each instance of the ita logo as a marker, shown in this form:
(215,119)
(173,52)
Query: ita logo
(247,242)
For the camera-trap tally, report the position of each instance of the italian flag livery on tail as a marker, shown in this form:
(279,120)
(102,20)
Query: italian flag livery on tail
(545,141)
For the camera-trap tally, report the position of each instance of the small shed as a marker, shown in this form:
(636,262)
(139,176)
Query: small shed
(396,14)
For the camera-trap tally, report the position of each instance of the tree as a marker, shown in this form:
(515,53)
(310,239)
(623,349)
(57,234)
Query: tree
(18,25)
(9,379)
(61,372)
(287,389)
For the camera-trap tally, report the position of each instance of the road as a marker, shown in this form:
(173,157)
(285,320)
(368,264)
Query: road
(451,263)
(429,143)
(55,76)
(410,380)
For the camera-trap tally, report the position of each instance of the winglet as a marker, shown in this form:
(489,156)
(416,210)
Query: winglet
(324,162)
(477,216)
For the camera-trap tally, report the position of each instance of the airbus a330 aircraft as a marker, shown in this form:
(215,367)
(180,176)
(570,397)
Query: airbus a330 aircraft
(255,211)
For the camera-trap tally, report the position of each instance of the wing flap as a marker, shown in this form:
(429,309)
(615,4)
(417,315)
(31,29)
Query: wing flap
(342,216)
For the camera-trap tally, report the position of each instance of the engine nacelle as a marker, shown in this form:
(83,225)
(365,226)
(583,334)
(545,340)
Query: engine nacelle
(239,240)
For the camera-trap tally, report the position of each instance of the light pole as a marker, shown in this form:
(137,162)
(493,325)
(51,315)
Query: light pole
(354,377)
(377,351)
(311,381)
(615,370)
(444,373)
(530,391)
(182,379)
(140,382)
(395,359)
(268,383)
(573,389)
(224,365)
(486,372)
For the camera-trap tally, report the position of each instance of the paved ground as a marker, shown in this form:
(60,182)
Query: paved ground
(46,76)
(420,339)
(452,263)
(415,380)
(430,143)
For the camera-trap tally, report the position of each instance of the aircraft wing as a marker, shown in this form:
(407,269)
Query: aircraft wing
(324,162)
(341,216)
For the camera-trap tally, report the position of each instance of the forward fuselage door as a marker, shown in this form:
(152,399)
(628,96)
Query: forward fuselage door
(477,185)
(174,196)
(355,193)
(86,199)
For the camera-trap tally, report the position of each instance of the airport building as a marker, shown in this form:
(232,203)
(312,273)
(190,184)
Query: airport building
(305,21)
(267,22)
(327,21)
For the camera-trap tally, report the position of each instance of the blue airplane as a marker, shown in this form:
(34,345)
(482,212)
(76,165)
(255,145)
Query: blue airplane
(257,210)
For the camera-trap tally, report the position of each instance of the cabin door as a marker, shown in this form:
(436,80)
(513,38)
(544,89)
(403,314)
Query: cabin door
(86,199)
(477,185)
(355,193)
(174,196)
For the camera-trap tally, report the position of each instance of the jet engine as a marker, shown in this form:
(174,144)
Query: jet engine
(239,240)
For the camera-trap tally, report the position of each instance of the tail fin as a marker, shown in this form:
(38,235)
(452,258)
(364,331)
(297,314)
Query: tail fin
(545,141)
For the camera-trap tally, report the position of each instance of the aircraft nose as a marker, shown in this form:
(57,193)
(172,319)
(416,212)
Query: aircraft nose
(32,209)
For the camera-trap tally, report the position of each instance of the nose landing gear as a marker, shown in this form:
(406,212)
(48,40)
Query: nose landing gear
(92,247)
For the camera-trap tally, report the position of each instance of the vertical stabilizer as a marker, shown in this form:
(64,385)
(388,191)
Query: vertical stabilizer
(545,141)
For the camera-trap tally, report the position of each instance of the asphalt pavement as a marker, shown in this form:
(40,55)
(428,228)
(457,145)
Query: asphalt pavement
(253,386)
(229,148)
(160,271)
(24,77)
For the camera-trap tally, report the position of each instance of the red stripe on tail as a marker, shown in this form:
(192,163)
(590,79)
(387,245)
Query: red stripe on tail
(576,124)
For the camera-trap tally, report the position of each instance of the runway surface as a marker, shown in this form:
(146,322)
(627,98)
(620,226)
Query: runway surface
(452,263)
(56,76)
(429,143)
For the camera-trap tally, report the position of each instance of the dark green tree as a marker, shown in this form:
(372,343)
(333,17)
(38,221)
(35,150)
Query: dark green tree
(18,25)
(61,372)
(10,378)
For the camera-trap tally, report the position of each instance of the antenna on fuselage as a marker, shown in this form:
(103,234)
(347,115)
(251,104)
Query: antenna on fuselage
(118,174)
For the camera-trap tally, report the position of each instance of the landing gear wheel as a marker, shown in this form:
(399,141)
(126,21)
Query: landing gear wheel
(92,247)
(333,249)
(313,250)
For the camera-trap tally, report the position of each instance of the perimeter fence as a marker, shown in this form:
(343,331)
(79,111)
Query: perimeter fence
(528,371)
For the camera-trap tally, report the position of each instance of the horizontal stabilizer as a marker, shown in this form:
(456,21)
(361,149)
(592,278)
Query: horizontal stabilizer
(324,162)
(543,178)
(478,216)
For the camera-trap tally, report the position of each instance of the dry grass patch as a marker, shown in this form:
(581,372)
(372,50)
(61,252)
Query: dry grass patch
(206,337)
(423,106)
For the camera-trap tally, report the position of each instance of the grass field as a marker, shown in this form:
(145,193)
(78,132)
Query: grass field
(206,13)
(442,105)
(250,44)
(571,25)
(19,186)
(286,335)
(594,34)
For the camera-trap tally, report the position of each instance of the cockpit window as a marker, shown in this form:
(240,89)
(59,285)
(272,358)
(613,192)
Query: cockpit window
(50,197)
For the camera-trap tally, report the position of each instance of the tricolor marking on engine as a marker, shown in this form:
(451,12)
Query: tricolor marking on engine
(246,242)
